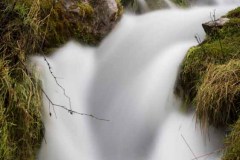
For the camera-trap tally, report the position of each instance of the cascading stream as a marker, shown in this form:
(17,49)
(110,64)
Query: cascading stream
(129,79)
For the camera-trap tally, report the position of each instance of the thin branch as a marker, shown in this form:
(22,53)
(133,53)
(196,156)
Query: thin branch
(56,81)
(214,20)
(48,64)
(72,111)
(213,16)
(61,106)
(189,147)
(208,154)
(198,39)
(54,111)
(49,108)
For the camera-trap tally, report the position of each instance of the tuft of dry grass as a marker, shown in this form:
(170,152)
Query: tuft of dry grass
(217,100)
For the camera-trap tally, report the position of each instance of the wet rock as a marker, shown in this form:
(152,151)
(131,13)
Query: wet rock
(211,26)
(107,14)
(94,17)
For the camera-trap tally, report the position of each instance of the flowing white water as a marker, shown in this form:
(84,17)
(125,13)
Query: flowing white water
(222,2)
(129,80)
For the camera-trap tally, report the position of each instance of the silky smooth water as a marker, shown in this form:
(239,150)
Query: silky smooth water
(129,79)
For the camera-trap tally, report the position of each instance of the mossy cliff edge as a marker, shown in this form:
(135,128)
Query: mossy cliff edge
(38,26)
(210,80)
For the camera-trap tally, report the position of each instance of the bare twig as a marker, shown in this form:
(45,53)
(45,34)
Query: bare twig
(62,106)
(213,16)
(48,64)
(208,154)
(72,111)
(214,20)
(49,108)
(198,39)
(195,157)
(55,79)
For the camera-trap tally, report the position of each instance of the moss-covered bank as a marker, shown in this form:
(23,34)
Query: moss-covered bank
(217,49)
(210,79)
(28,27)
(232,149)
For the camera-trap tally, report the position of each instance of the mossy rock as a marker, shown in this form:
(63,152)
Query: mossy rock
(218,48)
(217,100)
(48,24)
(232,143)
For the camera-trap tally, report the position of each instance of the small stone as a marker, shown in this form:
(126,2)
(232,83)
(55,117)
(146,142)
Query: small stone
(213,25)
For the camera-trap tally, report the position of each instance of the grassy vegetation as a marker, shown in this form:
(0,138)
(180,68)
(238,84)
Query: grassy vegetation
(210,79)
(217,99)
(20,117)
(232,151)
(234,13)
(20,96)
(30,27)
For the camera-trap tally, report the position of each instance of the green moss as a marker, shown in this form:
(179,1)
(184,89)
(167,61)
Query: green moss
(20,116)
(234,13)
(120,9)
(231,28)
(85,9)
(232,143)
(181,3)
(63,25)
(200,57)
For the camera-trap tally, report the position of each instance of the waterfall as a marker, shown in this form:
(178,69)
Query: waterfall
(224,2)
(129,80)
